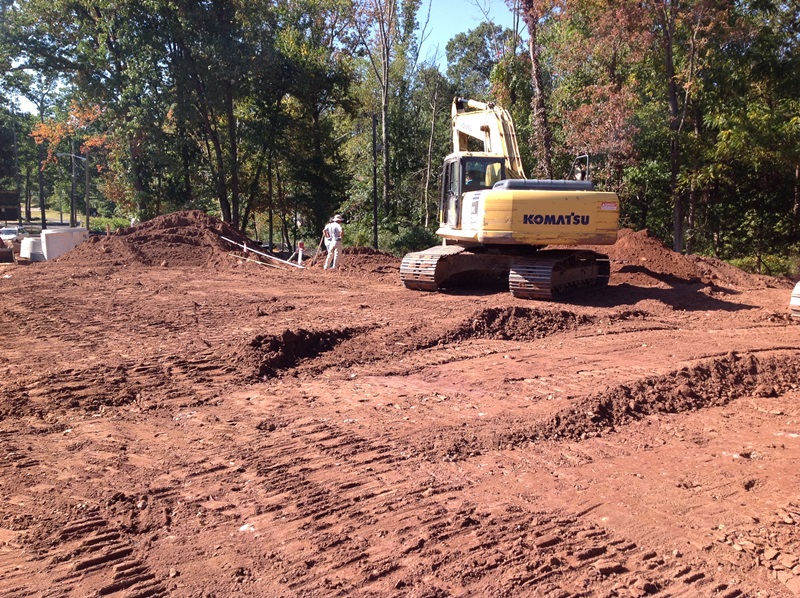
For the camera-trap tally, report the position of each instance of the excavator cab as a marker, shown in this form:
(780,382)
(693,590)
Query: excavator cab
(463,174)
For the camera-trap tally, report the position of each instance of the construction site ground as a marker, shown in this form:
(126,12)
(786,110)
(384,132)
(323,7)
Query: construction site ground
(179,420)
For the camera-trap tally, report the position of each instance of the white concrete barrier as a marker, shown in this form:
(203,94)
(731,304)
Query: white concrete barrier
(57,242)
(30,248)
(794,302)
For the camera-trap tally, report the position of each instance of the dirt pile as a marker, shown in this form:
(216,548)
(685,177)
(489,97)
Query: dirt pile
(190,238)
(193,238)
(362,261)
(516,323)
(708,384)
(266,355)
(637,258)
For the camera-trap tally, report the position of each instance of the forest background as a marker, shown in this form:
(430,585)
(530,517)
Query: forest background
(274,114)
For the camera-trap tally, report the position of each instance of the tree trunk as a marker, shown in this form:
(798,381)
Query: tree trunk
(28,196)
(796,207)
(383,17)
(270,202)
(385,128)
(234,158)
(41,185)
(667,14)
(543,134)
(691,221)
(210,127)
(429,161)
(255,188)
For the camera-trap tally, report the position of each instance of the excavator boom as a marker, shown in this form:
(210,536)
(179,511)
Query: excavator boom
(491,125)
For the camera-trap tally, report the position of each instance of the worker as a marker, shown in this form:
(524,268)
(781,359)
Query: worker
(333,241)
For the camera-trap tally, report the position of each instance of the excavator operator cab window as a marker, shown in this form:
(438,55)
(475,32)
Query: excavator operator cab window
(481,173)
(474,175)
(451,197)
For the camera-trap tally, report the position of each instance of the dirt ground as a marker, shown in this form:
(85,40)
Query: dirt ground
(177,420)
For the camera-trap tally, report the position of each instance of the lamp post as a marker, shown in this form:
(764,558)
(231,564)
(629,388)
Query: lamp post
(73,217)
(375,180)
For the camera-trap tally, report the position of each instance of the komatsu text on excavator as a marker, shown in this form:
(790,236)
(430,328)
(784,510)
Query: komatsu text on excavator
(495,221)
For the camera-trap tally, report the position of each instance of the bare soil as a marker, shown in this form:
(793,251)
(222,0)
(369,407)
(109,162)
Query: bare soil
(177,420)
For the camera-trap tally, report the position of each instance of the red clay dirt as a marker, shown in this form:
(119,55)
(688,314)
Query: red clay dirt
(177,420)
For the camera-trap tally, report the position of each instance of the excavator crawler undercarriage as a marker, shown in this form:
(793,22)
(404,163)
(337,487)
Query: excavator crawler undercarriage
(547,274)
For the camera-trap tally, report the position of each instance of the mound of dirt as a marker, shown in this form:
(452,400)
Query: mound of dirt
(194,238)
(710,384)
(361,250)
(639,259)
(362,261)
(266,355)
(189,238)
(516,323)
(718,272)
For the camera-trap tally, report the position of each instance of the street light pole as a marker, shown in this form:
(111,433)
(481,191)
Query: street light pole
(73,212)
(375,181)
(86,191)
(73,219)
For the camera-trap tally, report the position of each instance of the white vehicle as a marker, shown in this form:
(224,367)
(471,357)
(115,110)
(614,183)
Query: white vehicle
(12,233)
(794,303)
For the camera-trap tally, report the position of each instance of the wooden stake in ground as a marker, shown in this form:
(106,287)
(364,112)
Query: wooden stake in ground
(319,248)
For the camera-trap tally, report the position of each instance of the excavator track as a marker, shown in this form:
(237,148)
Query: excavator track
(425,270)
(545,275)
(556,273)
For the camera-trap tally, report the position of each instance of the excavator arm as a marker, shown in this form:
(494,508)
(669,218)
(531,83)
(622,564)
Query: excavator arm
(491,125)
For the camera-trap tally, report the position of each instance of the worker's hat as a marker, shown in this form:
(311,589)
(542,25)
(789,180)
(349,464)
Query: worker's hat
(337,218)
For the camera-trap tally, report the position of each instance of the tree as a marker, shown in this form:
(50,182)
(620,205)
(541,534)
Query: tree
(597,50)
(471,56)
(377,25)
(534,14)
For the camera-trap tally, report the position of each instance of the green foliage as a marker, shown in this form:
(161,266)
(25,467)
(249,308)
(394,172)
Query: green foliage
(408,237)
(393,237)
(785,264)
(98,224)
(471,56)
(7,139)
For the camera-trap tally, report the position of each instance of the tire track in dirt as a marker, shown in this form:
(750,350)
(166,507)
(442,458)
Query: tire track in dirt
(86,555)
(310,352)
(341,497)
(382,531)
(193,380)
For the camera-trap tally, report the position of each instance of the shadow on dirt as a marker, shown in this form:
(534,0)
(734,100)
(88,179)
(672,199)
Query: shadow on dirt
(669,279)
(684,296)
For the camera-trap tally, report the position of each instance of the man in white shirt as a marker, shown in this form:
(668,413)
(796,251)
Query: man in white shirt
(333,241)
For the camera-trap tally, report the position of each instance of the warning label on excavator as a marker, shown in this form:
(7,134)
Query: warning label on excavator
(609,206)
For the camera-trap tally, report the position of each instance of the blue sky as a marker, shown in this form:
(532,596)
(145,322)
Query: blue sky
(450,17)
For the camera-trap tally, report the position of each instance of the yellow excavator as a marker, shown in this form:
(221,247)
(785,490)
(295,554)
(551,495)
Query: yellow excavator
(494,221)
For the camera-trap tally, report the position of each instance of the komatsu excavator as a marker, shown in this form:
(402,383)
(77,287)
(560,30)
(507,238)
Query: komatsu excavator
(494,221)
